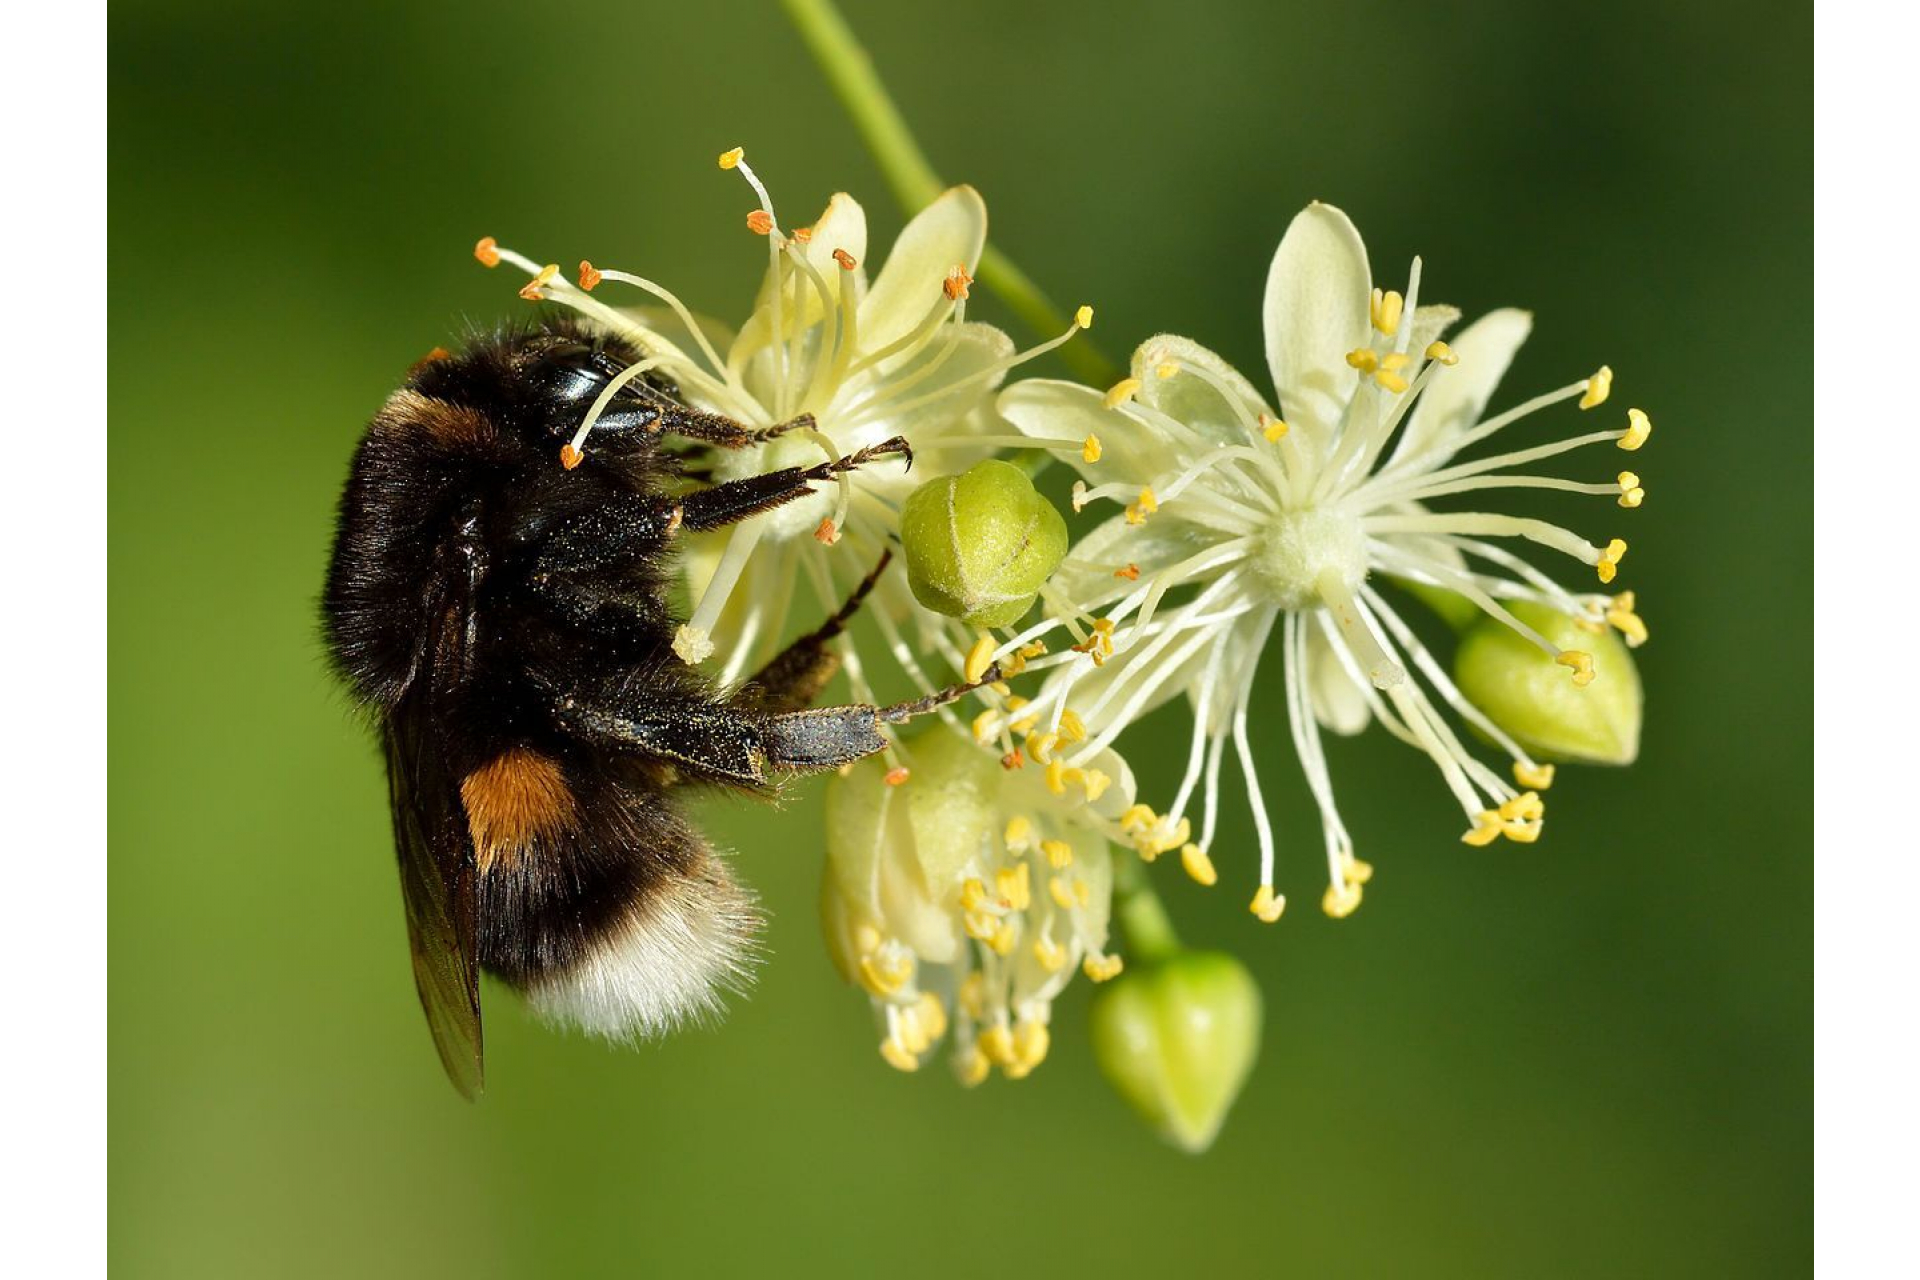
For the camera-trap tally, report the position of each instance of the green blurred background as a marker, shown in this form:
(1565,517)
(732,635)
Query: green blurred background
(1587,1058)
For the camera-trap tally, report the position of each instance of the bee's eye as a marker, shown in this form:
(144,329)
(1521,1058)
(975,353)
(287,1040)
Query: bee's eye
(572,371)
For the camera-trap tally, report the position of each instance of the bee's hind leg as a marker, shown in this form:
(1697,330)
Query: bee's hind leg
(796,675)
(828,737)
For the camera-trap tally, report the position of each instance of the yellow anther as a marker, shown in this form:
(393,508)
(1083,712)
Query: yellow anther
(1386,310)
(1272,428)
(1537,776)
(728,159)
(1090,448)
(1631,494)
(1031,1042)
(1599,387)
(1019,833)
(1096,784)
(1340,900)
(1040,746)
(1394,361)
(1102,968)
(1267,904)
(1057,776)
(957,284)
(1442,353)
(1148,503)
(1003,940)
(1121,392)
(1166,369)
(973,893)
(1525,807)
(972,1067)
(973,995)
(760,222)
(897,1056)
(1639,427)
(531,290)
(985,724)
(1487,826)
(1061,892)
(887,970)
(1137,818)
(1198,864)
(1610,559)
(1051,955)
(1523,831)
(1026,723)
(979,658)
(866,939)
(1002,688)
(1391,381)
(997,1044)
(1621,616)
(1059,854)
(910,1033)
(1014,885)
(1356,871)
(1083,318)
(933,1015)
(1580,662)
(1072,728)
(1364,359)
(487,250)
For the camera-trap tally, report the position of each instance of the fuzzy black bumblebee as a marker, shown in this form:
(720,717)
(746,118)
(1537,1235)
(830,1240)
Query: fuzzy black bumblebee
(504,617)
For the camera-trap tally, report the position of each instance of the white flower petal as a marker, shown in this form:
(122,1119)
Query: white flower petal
(947,233)
(1186,396)
(1088,571)
(1067,413)
(1338,703)
(1316,311)
(975,348)
(1455,399)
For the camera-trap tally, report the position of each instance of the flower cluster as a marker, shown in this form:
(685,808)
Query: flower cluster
(971,871)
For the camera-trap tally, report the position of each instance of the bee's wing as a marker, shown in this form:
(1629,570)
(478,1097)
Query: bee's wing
(437,876)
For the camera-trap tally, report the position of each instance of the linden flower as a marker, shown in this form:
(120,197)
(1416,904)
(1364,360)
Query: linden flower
(961,894)
(826,364)
(1244,528)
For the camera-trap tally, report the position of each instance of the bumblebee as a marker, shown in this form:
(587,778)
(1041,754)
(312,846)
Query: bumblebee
(497,601)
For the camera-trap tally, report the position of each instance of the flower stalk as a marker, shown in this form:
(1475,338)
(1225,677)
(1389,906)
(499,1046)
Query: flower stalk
(848,68)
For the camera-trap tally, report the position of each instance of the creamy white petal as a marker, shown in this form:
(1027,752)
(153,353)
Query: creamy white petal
(1067,413)
(934,402)
(1455,399)
(1186,396)
(1338,703)
(949,232)
(1316,311)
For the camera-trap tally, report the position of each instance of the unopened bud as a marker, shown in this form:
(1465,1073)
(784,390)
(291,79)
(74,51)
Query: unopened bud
(1177,1040)
(1531,695)
(980,545)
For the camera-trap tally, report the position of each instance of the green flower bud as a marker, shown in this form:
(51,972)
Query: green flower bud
(980,545)
(1177,1040)
(1530,695)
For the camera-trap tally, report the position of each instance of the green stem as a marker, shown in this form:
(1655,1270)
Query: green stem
(915,185)
(1149,930)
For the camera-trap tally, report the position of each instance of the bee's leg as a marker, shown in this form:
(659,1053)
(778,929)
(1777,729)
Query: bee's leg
(828,737)
(736,500)
(733,744)
(717,429)
(797,674)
